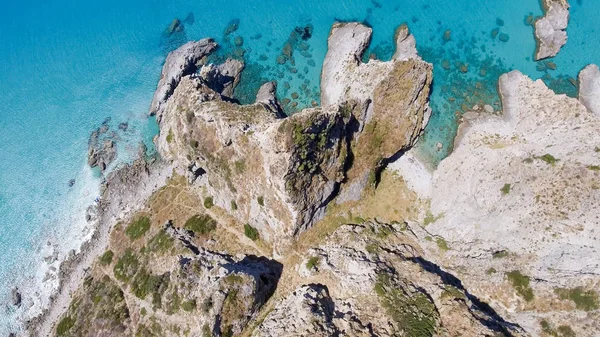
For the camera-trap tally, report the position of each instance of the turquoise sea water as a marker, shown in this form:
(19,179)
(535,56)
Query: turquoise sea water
(66,66)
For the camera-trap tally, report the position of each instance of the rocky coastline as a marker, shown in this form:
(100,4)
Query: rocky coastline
(550,30)
(327,223)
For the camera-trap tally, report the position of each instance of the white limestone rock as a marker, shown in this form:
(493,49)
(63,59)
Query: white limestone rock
(589,88)
(550,30)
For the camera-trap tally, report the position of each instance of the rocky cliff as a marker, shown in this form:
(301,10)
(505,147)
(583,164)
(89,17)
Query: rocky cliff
(516,207)
(550,30)
(278,173)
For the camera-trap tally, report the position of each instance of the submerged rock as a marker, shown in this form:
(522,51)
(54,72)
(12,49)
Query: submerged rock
(175,27)
(102,149)
(232,26)
(16,297)
(550,30)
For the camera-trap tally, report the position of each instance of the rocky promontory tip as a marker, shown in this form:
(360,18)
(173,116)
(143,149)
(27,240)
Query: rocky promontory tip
(550,30)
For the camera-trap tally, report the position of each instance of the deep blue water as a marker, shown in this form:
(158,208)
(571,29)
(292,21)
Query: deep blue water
(66,66)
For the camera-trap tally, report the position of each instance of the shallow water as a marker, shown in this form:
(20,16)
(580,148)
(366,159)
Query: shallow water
(66,66)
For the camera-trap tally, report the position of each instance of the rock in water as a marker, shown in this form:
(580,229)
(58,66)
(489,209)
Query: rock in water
(550,30)
(175,27)
(267,96)
(16,297)
(589,88)
(223,78)
(406,45)
(178,64)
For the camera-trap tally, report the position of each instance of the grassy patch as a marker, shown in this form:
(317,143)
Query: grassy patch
(260,200)
(206,331)
(170,136)
(138,228)
(312,263)
(240,166)
(548,159)
(594,167)
(107,258)
(64,325)
(430,218)
(234,206)
(127,266)
(189,306)
(491,271)
(561,331)
(414,313)
(505,189)
(453,292)
(201,224)
(208,202)
(161,243)
(584,300)
(521,284)
(145,284)
(373,248)
(442,244)
(251,232)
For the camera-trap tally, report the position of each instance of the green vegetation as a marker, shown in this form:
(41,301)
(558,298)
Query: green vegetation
(561,331)
(251,232)
(161,243)
(594,167)
(170,136)
(201,224)
(373,248)
(441,243)
(584,300)
(505,189)
(312,263)
(206,331)
(430,218)
(500,254)
(548,158)
(491,271)
(127,266)
(64,325)
(260,200)
(106,258)
(208,202)
(145,284)
(413,312)
(234,206)
(521,284)
(138,228)
(189,306)
(240,166)
(207,304)
(194,143)
(189,116)
(453,292)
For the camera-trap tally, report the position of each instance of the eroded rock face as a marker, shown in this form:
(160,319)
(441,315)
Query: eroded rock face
(517,202)
(388,100)
(178,64)
(550,30)
(589,88)
(374,280)
(278,172)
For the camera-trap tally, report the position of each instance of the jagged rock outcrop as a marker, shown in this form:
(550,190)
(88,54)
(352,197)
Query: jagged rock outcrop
(179,63)
(280,173)
(589,88)
(102,149)
(223,78)
(374,280)
(388,100)
(517,203)
(550,30)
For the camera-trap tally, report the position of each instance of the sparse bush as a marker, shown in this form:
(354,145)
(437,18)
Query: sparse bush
(500,254)
(138,228)
(160,243)
(312,263)
(234,206)
(505,189)
(64,325)
(260,200)
(208,202)
(548,158)
(251,232)
(189,306)
(170,136)
(127,266)
(201,224)
(442,244)
(106,258)
(584,300)
(521,284)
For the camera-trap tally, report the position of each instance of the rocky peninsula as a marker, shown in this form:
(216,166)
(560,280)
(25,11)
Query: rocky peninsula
(550,30)
(326,222)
